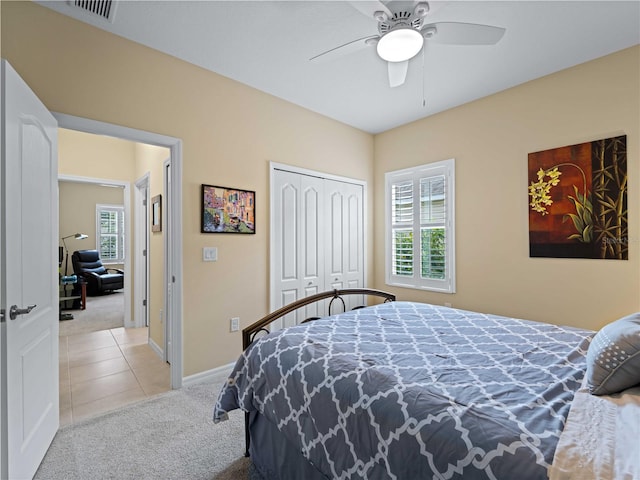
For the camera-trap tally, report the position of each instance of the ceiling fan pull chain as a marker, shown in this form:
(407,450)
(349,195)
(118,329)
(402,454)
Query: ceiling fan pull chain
(424,100)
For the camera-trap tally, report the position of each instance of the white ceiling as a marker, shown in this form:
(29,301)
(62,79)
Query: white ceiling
(267,45)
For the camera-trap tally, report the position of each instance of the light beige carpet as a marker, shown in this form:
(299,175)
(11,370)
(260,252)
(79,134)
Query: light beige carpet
(102,313)
(169,437)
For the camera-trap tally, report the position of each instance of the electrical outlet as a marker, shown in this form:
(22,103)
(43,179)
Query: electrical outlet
(235,324)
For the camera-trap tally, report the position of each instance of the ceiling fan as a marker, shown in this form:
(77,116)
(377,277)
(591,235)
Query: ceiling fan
(402,32)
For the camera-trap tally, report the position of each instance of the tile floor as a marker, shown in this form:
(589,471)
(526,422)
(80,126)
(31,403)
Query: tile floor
(104,370)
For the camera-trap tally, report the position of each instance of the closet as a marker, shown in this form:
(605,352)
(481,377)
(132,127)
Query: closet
(317,238)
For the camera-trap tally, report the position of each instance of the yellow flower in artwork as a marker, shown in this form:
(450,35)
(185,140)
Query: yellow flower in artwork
(554,175)
(539,191)
(541,199)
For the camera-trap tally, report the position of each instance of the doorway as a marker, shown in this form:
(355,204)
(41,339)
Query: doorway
(83,202)
(110,355)
(173,235)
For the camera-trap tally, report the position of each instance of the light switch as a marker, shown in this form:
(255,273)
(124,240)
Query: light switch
(209,254)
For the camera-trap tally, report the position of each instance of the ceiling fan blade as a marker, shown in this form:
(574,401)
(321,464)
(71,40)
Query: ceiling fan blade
(397,72)
(346,48)
(454,33)
(369,7)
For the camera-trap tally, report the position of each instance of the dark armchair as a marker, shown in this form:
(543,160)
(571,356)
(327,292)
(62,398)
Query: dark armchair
(88,266)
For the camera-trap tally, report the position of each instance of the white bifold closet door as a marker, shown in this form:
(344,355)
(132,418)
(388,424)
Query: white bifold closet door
(318,240)
(344,238)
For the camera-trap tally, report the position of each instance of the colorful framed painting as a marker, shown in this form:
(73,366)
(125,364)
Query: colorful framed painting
(578,201)
(227,210)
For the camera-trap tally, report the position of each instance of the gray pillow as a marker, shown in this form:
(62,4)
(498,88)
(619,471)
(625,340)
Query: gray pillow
(613,359)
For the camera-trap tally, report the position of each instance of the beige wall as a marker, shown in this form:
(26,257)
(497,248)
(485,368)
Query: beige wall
(229,131)
(78,213)
(95,156)
(490,140)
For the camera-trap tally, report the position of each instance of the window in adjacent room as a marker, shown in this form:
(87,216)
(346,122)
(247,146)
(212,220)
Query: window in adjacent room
(110,237)
(420,223)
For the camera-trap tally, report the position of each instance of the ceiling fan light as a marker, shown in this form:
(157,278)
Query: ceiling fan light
(400,45)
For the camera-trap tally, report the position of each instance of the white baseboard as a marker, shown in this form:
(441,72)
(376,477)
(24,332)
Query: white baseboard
(213,374)
(156,348)
(217,373)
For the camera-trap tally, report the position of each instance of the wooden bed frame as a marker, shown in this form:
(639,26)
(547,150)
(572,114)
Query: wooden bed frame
(249,334)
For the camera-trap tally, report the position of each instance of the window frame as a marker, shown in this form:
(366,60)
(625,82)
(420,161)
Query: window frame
(119,209)
(444,168)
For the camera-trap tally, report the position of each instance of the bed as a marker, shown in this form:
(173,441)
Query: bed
(408,390)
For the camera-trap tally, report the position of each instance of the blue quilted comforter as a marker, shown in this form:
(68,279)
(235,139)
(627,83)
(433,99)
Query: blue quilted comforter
(408,390)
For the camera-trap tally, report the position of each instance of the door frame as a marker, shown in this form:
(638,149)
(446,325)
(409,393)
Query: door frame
(174,267)
(167,170)
(141,200)
(273,166)
(127,243)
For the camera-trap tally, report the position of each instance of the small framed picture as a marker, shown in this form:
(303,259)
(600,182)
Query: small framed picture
(156,213)
(227,210)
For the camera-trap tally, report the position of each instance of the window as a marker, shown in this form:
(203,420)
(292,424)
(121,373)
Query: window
(110,233)
(420,227)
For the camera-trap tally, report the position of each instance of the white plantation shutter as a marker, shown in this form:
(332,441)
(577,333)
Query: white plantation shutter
(420,227)
(402,228)
(433,227)
(110,233)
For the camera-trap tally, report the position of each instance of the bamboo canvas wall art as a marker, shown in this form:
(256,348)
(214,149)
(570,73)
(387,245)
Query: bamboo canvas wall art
(578,201)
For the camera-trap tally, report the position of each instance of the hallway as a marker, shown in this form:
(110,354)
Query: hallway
(106,369)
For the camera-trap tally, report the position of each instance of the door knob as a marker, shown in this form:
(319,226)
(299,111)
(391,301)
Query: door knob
(14,311)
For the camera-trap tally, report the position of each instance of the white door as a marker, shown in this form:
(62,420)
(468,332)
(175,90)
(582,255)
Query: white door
(344,238)
(311,247)
(297,222)
(317,240)
(141,269)
(29,225)
(285,222)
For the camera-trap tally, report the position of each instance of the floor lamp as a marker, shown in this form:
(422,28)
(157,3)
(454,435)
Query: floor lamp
(77,236)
